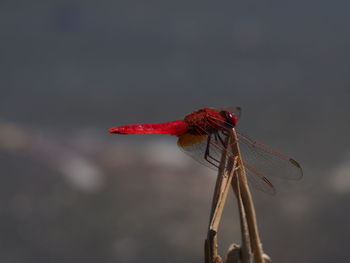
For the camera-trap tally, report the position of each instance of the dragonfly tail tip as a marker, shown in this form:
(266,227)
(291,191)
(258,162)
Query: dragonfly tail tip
(113,130)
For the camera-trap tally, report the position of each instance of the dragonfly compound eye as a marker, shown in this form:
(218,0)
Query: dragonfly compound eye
(230,118)
(234,119)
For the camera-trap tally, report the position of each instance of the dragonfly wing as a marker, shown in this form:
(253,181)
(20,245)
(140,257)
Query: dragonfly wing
(196,147)
(256,157)
(197,150)
(260,183)
(208,148)
(265,161)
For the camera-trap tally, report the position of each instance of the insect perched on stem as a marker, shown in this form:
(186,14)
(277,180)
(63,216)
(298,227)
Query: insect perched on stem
(202,134)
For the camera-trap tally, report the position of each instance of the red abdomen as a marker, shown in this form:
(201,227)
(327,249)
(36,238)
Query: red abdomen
(172,128)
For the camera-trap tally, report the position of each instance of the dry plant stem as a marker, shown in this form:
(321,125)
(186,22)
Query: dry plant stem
(250,236)
(245,250)
(247,201)
(233,254)
(222,186)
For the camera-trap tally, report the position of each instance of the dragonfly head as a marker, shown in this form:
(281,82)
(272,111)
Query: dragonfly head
(230,117)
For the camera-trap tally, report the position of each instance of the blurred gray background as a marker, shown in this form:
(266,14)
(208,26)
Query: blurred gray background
(71,192)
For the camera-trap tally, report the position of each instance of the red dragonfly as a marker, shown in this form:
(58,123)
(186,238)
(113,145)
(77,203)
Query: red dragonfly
(203,135)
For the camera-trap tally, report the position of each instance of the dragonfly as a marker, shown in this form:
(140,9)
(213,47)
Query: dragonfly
(203,134)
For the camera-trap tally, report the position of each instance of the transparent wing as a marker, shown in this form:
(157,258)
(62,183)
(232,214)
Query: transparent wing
(197,151)
(265,161)
(260,183)
(198,147)
(260,161)
(216,147)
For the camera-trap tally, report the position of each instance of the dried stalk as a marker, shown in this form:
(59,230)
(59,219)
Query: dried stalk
(222,186)
(234,254)
(248,204)
(251,243)
(245,248)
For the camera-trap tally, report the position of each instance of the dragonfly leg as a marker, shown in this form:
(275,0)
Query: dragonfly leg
(216,137)
(224,126)
(221,140)
(210,159)
(225,132)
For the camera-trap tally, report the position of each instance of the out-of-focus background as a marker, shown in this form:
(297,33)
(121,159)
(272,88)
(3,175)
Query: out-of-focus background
(71,192)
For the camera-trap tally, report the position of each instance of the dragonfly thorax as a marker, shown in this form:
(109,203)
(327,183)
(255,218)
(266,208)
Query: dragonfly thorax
(207,121)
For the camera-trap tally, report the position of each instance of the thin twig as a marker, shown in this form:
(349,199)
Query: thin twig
(234,254)
(251,244)
(246,253)
(248,204)
(222,186)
